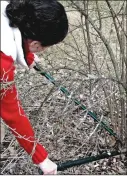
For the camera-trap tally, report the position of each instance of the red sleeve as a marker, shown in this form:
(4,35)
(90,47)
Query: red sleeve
(14,116)
(30,58)
(29,55)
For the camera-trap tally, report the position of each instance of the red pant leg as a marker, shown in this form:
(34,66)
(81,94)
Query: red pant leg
(14,116)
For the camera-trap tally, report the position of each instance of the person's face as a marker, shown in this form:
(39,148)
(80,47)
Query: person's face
(35,46)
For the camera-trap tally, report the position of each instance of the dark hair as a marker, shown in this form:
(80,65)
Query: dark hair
(41,20)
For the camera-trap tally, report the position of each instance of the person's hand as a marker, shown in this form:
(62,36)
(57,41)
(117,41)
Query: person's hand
(32,59)
(48,167)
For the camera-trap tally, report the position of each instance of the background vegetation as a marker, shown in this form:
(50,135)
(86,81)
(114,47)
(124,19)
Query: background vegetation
(91,63)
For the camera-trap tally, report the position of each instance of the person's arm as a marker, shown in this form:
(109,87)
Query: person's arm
(32,58)
(14,116)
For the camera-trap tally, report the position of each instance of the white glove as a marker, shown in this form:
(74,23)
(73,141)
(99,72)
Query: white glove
(48,167)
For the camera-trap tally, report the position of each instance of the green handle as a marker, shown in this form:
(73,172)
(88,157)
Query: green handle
(67,93)
(78,162)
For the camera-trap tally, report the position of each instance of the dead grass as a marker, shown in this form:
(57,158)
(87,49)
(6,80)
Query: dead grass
(63,128)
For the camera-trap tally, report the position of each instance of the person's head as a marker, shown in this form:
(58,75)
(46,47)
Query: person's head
(42,22)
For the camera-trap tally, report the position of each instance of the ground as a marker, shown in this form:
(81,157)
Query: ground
(66,131)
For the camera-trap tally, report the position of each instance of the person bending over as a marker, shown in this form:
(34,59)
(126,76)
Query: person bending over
(27,27)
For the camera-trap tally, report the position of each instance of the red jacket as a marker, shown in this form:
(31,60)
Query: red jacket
(11,110)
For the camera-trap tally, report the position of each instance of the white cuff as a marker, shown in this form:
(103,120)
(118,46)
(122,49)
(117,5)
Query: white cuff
(42,164)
